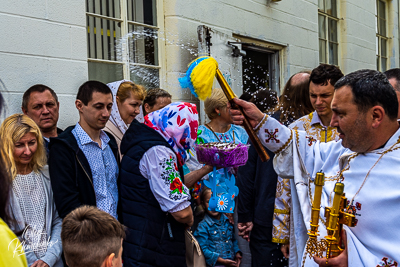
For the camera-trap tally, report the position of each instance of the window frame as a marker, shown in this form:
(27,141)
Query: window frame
(380,37)
(327,40)
(124,60)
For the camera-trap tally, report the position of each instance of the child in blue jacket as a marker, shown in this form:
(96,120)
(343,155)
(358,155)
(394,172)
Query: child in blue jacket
(216,236)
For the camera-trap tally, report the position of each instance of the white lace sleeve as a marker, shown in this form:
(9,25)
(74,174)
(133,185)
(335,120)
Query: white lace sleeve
(159,165)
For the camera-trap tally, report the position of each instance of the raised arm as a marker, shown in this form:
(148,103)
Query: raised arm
(192,177)
(273,135)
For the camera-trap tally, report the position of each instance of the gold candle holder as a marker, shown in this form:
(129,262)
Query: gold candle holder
(316,205)
(333,228)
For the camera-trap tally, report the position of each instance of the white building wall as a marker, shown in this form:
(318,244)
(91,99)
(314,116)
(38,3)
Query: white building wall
(393,29)
(43,42)
(358,35)
(291,23)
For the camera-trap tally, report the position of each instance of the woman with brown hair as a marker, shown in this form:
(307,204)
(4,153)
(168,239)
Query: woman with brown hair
(294,102)
(127,99)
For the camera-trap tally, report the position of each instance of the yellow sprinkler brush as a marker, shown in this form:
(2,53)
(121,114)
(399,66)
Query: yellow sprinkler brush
(199,79)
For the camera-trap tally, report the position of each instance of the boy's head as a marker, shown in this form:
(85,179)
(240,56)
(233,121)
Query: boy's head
(92,238)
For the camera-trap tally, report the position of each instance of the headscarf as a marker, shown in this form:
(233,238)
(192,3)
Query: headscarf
(177,123)
(115,116)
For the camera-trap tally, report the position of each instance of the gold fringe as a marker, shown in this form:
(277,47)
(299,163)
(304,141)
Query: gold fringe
(261,123)
(280,241)
(281,211)
(286,144)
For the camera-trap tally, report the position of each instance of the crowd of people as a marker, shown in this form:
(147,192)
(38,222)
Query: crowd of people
(122,185)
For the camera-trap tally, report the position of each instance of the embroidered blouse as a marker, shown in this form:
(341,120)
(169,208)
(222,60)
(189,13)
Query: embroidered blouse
(159,165)
(205,135)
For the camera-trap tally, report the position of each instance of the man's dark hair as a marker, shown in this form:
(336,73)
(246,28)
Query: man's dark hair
(394,73)
(86,90)
(40,88)
(154,94)
(325,73)
(265,99)
(371,88)
(246,96)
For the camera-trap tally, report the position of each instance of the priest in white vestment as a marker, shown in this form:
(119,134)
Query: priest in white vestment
(366,160)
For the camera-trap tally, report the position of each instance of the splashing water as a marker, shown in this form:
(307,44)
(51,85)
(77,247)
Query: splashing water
(139,49)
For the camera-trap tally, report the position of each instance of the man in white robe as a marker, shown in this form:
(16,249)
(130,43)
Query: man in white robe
(366,160)
(316,125)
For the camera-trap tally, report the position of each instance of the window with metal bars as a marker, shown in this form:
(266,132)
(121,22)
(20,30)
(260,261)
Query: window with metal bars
(328,32)
(122,40)
(381,35)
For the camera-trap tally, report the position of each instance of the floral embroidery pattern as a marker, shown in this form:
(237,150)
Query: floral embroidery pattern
(321,133)
(172,179)
(387,263)
(196,190)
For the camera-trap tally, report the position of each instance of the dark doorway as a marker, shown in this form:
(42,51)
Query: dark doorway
(259,66)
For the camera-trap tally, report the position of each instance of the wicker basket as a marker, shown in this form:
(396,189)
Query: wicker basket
(222,154)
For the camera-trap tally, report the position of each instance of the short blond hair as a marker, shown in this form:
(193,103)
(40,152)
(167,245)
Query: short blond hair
(11,131)
(128,89)
(217,99)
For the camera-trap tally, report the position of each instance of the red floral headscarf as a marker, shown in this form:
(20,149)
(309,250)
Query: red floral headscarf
(177,123)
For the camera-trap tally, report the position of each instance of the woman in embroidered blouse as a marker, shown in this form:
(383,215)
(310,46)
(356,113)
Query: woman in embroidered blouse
(220,127)
(31,200)
(155,202)
(127,99)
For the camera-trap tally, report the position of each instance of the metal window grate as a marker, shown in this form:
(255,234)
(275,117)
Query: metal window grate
(121,32)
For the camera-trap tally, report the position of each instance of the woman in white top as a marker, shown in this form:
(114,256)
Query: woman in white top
(32,208)
(127,99)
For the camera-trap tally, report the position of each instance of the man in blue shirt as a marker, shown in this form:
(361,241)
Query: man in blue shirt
(84,159)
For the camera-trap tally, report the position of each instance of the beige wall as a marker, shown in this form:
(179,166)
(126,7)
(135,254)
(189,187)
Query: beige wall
(43,42)
(291,23)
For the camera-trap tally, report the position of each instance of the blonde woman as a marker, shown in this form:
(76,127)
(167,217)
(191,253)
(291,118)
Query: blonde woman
(220,127)
(33,211)
(127,99)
